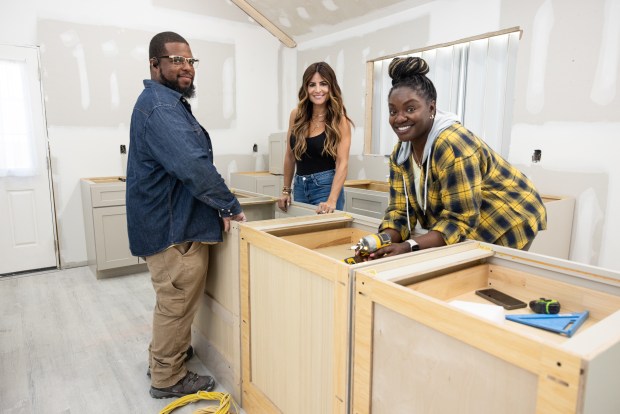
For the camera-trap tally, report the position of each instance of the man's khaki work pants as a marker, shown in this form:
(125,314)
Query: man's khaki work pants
(178,274)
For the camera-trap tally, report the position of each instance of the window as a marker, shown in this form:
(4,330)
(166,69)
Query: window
(474,79)
(17,150)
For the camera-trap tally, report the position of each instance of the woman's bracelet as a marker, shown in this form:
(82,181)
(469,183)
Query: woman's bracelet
(286,190)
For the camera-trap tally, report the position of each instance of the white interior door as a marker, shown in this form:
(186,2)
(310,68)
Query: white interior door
(27,236)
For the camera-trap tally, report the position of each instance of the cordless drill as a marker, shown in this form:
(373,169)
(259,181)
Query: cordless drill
(369,244)
(372,243)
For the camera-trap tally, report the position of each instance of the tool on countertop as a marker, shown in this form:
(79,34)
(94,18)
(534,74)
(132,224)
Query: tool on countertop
(565,324)
(545,306)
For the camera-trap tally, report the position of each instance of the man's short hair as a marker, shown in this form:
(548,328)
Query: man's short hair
(157,47)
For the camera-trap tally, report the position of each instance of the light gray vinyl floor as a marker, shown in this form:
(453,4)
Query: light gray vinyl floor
(70,343)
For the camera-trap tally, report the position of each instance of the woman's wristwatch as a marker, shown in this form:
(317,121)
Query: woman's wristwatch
(414,245)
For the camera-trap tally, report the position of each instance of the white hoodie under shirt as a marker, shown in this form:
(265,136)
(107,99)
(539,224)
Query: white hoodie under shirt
(417,173)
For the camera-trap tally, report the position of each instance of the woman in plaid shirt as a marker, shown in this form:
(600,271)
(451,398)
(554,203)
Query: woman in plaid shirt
(448,180)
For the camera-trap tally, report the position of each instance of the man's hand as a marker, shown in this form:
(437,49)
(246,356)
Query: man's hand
(239,217)
(236,217)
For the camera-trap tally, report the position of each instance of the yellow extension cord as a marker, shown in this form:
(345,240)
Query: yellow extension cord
(224,398)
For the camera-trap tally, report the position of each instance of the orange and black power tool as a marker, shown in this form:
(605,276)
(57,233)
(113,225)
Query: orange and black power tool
(369,244)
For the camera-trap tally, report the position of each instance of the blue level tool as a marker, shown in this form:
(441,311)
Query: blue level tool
(566,323)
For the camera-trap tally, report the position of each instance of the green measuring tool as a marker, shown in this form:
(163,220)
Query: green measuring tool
(566,323)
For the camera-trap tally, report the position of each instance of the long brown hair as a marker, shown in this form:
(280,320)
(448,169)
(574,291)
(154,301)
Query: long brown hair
(335,111)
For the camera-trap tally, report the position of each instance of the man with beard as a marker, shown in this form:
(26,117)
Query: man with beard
(177,205)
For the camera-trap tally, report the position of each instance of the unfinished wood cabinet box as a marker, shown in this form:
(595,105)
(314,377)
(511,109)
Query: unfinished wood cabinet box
(366,197)
(295,296)
(216,331)
(415,352)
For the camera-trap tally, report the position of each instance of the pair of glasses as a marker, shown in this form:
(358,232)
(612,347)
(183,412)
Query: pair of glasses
(180,60)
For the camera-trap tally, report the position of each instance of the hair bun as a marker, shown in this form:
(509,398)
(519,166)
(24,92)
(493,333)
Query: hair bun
(407,67)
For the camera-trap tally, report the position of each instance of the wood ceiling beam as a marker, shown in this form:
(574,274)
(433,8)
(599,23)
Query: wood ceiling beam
(266,23)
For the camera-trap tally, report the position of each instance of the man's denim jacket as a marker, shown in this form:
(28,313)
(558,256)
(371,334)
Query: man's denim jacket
(174,192)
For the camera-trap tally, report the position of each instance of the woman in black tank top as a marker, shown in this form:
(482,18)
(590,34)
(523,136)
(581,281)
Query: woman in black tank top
(319,138)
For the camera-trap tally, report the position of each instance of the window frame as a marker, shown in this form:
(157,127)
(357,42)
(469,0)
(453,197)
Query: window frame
(372,101)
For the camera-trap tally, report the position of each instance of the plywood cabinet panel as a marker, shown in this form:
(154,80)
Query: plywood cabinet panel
(216,331)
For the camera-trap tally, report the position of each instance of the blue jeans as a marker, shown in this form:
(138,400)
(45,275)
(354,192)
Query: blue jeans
(315,188)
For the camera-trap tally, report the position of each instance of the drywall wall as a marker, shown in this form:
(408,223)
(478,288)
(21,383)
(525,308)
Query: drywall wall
(100,68)
(93,61)
(566,102)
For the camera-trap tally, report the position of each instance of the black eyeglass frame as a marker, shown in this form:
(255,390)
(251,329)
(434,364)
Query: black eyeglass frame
(179,60)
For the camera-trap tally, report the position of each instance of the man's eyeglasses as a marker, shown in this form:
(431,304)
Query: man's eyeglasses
(180,60)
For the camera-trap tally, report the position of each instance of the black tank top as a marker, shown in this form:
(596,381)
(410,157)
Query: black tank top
(313,161)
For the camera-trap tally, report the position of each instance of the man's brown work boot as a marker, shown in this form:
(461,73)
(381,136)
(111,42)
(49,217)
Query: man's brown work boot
(191,383)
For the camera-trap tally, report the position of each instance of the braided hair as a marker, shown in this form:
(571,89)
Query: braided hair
(411,72)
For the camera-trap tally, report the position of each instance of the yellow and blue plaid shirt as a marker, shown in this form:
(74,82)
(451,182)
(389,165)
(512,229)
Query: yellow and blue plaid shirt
(472,193)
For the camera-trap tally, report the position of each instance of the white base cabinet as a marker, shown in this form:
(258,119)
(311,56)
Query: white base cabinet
(105,226)
(260,182)
(366,197)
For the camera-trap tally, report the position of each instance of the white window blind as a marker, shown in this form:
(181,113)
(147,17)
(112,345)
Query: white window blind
(474,79)
(17,150)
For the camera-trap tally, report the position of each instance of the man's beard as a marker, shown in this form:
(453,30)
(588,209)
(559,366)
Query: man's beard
(188,92)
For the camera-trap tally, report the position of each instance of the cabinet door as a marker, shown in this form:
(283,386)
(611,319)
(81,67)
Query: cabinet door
(277,149)
(108,194)
(111,239)
(269,185)
(366,203)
